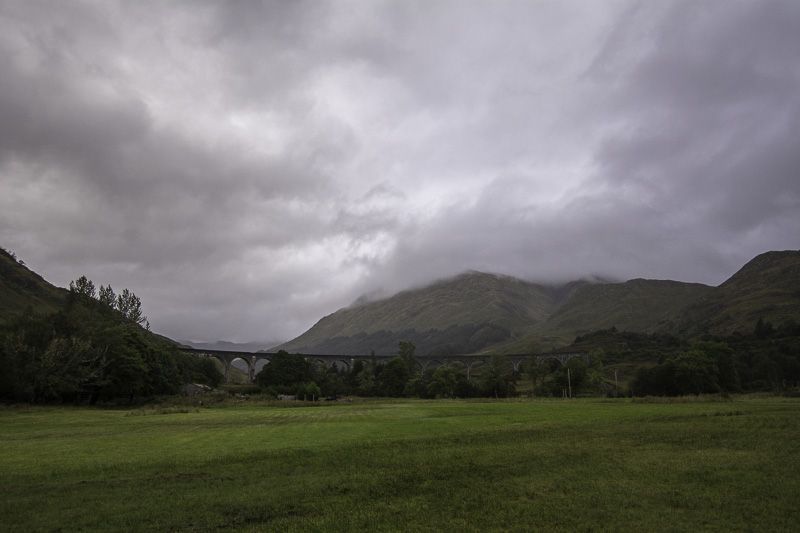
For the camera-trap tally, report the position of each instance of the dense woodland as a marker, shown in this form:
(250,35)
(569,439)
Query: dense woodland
(766,360)
(96,347)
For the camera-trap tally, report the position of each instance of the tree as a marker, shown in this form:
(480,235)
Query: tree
(498,378)
(728,375)
(62,369)
(690,372)
(285,371)
(366,383)
(406,352)
(352,378)
(696,372)
(308,391)
(106,296)
(332,382)
(393,378)
(131,308)
(82,286)
(595,378)
(536,371)
(444,382)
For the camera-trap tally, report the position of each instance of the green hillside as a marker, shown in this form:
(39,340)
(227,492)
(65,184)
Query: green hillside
(640,305)
(478,312)
(21,288)
(636,305)
(768,287)
(68,346)
(458,312)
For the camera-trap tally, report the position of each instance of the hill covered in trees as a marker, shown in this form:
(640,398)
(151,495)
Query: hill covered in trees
(83,345)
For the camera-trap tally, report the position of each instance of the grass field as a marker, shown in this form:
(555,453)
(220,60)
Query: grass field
(574,465)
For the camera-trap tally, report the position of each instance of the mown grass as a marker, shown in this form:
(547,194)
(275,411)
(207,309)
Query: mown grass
(576,465)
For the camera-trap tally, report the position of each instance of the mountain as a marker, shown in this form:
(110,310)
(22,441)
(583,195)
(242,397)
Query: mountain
(468,312)
(635,305)
(640,305)
(767,287)
(479,312)
(21,288)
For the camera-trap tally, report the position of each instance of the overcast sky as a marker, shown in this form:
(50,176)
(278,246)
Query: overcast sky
(249,167)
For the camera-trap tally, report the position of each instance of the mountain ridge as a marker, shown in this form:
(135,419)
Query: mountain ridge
(478,312)
(437,306)
(555,314)
(767,287)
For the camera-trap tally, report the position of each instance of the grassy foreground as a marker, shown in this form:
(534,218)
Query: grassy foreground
(411,465)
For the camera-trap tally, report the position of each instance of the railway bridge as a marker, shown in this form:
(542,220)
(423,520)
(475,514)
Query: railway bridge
(467,362)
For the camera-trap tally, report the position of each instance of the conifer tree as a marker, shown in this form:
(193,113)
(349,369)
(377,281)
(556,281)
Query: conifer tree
(82,286)
(131,308)
(106,296)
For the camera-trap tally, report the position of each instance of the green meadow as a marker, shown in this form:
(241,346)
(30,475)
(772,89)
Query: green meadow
(411,465)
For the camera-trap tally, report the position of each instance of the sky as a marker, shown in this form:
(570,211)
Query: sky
(249,167)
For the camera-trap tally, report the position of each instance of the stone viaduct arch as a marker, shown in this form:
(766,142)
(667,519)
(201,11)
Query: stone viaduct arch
(424,363)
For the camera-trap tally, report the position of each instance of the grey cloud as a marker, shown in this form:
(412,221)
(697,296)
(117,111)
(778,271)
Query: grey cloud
(701,176)
(713,115)
(247,167)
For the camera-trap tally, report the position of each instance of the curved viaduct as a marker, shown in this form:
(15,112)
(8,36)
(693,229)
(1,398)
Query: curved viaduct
(468,362)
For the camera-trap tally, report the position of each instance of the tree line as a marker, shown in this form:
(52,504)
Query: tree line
(768,359)
(126,303)
(294,374)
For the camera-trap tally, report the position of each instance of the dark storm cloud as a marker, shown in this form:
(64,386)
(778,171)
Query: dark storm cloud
(247,167)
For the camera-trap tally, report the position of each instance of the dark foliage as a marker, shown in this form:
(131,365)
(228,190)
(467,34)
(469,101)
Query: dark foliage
(399,377)
(285,372)
(626,346)
(498,378)
(766,360)
(393,377)
(86,352)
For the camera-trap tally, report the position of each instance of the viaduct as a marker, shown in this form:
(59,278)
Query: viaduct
(467,362)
